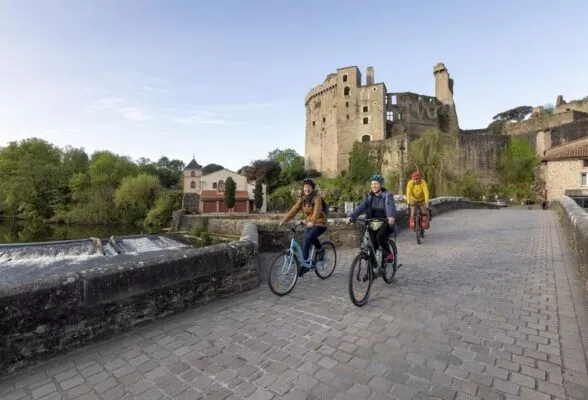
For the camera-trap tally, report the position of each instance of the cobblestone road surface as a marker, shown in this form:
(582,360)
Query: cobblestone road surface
(488,307)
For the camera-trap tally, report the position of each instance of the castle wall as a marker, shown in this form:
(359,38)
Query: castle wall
(389,151)
(543,122)
(321,127)
(480,154)
(566,133)
(576,105)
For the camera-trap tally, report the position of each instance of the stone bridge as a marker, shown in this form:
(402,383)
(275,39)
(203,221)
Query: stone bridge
(490,306)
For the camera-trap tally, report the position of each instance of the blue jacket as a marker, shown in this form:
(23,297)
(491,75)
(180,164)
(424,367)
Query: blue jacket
(389,203)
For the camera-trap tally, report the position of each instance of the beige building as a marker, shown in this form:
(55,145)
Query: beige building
(205,193)
(343,110)
(565,171)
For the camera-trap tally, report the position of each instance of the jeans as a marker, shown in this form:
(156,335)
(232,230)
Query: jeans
(380,237)
(311,237)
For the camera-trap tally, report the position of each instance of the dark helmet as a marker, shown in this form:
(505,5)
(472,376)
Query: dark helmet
(378,178)
(308,181)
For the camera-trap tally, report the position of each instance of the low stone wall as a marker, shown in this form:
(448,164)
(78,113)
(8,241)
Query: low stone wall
(575,221)
(342,234)
(49,311)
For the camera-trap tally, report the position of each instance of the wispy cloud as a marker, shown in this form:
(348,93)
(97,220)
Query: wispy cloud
(120,107)
(204,118)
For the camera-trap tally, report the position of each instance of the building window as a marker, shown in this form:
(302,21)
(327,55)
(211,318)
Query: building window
(192,173)
(344,78)
(214,185)
(346,91)
(586,163)
(394,99)
(193,185)
(365,108)
(584,179)
(390,115)
(221,186)
(313,123)
(347,116)
(365,120)
(365,138)
(346,104)
(324,121)
(399,116)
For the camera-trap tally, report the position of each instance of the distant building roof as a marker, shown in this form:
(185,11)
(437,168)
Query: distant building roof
(577,149)
(192,165)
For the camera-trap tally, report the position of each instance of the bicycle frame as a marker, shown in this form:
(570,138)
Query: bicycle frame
(367,247)
(295,250)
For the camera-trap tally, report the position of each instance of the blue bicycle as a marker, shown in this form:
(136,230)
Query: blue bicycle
(285,269)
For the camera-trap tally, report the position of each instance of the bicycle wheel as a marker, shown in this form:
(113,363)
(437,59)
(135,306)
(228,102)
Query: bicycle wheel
(361,274)
(391,267)
(325,268)
(284,266)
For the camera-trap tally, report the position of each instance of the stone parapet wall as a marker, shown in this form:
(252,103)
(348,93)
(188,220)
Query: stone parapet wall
(50,311)
(575,222)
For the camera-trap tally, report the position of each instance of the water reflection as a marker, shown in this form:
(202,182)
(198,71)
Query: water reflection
(36,231)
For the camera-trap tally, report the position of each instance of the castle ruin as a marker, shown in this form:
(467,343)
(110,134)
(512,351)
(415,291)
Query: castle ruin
(343,110)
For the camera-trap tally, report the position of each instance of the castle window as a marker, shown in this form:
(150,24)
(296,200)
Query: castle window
(365,138)
(365,108)
(584,179)
(346,104)
(399,116)
(214,185)
(586,163)
(192,173)
(324,119)
(390,115)
(346,91)
(344,78)
(221,186)
(394,99)
(347,116)
(365,120)
(193,185)
(313,123)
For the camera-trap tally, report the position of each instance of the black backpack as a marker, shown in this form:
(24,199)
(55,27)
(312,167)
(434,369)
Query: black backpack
(325,207)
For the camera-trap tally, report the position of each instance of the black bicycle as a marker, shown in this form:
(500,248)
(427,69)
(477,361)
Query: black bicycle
(418,227)
(369,264)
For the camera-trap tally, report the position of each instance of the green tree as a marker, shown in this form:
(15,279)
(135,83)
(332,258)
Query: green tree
(361,165)
(266,171)
(230,192)
(160,215)
(436,155)
(258,195)
(516,167)
(136,196)
(516,114)
(210,168)
(291,165)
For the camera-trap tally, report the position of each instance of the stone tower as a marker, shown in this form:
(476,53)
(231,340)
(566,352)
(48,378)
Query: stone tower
(444,93)
(192,187)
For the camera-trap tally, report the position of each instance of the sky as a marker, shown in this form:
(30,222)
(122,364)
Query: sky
(225,81)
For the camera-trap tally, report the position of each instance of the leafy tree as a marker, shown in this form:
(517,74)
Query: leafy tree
(136,196)
(516,114)
(169,171)
(436,155)
(107,168)
(258,195)
(210,168)
(516,167)
(548,109)
(230,192)
(291,165)
(361,165)
(266,171)
(160,215)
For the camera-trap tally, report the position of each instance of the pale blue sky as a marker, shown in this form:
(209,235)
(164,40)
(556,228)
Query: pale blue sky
(226,80)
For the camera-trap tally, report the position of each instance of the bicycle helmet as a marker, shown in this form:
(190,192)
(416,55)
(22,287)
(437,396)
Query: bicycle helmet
(308,181)
(378,178)
(415,175)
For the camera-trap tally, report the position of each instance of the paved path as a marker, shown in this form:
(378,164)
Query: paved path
(487,308)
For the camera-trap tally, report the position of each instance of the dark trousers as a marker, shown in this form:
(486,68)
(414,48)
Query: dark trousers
(311,237)
(380,237)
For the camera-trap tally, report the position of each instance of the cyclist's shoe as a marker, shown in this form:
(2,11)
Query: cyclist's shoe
(320,254)
(303,270)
